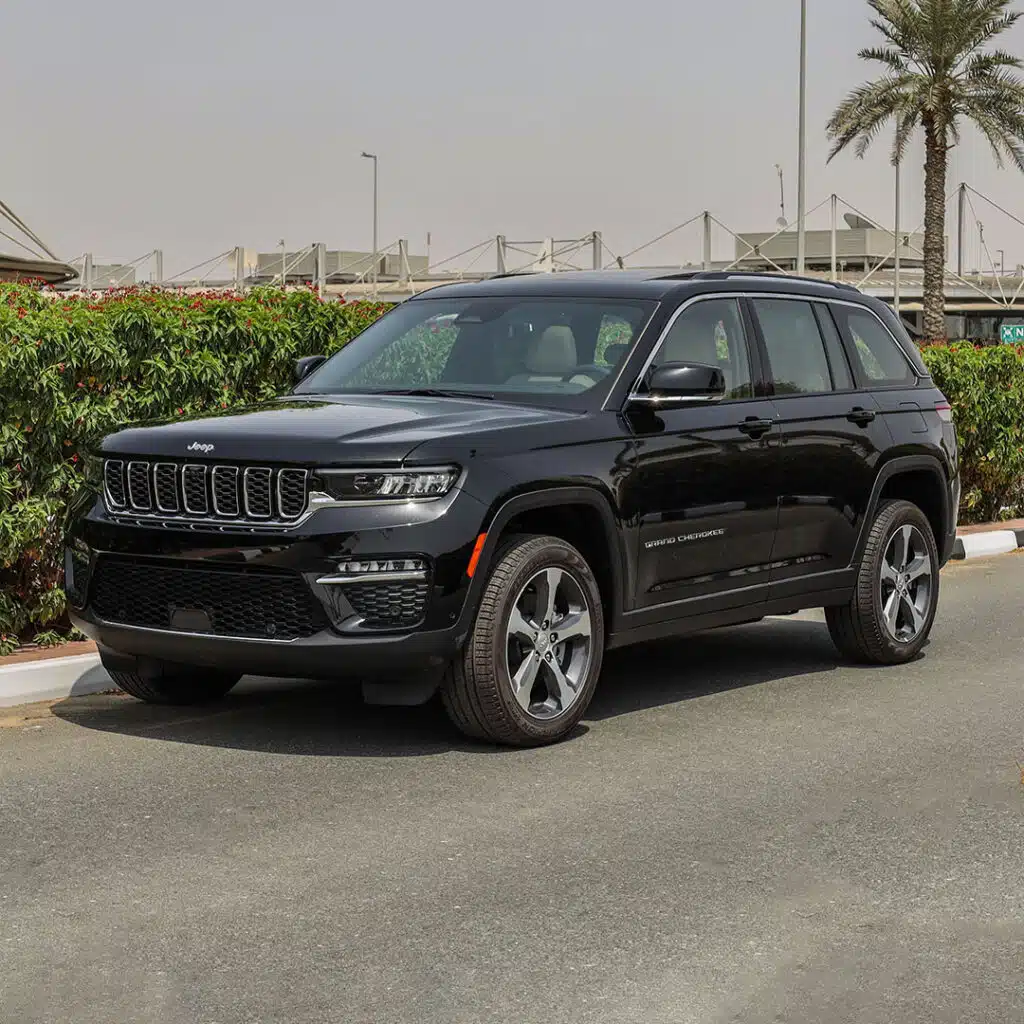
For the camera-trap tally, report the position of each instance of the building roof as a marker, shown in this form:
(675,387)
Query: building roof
(13,268)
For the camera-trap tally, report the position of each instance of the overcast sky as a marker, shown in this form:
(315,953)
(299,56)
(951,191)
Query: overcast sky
(196,125)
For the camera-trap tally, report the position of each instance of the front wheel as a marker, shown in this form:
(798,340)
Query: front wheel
(531,664)
(890,616)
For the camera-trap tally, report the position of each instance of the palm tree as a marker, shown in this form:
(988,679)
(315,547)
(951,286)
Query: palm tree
(938,74)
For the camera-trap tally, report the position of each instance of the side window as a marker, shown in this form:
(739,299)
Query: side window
(711,332)
(837,361)
(881,359)
(796,351)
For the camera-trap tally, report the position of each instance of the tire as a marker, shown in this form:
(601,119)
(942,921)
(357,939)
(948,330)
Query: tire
(861,629)
(479,689)
(164,683)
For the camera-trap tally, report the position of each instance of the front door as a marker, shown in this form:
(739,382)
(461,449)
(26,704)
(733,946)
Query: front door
(705,489)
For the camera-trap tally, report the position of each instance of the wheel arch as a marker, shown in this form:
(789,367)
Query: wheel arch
(581,515)
(921,480)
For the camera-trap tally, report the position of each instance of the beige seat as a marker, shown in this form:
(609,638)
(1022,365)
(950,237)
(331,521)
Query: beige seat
(550,358)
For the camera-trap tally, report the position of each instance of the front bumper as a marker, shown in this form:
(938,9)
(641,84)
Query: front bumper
(440,533)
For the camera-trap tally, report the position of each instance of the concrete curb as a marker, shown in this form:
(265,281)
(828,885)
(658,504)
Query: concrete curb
(988,542)
(52,679)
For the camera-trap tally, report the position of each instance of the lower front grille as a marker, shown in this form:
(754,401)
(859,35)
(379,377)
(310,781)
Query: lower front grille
(397,605)
(237,602)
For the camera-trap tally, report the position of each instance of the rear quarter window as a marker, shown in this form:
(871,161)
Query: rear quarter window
(876,353)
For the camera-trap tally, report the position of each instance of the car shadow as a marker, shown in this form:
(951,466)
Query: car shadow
(329,719)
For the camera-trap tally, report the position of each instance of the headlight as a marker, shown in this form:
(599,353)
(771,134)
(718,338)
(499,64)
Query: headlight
(400,485)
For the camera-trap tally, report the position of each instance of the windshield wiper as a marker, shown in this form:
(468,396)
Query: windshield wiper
(433,393)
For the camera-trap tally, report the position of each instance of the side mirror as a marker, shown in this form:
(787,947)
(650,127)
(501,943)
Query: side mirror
(305,366)
(673,383)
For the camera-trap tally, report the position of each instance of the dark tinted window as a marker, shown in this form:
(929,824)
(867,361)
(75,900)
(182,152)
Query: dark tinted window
(796,352)
(842,379)
(711,332)
(879,356)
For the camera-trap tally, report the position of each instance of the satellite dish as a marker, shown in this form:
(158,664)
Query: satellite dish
(782,223)
(857,223)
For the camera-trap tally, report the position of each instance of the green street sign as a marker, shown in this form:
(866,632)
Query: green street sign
(1012,334)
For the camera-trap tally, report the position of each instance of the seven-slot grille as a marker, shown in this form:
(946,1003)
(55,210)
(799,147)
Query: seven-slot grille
(214,493)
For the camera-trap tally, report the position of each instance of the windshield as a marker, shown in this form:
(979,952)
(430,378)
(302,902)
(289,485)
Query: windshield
(541,350)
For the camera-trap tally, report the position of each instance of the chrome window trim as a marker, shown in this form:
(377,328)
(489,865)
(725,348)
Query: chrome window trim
(206,509)
(885,327)
(634,396)
(156,489)
(148,468)
(270,493)
(213,489)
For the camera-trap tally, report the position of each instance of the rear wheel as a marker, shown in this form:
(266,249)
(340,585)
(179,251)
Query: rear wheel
(164,683)
(890,617)
(531,664)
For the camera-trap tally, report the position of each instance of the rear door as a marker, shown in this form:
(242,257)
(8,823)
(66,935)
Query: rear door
(831,439)
(879,363)
(705,488)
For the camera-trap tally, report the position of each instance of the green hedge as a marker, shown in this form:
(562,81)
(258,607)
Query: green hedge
(985,386)
(72,369)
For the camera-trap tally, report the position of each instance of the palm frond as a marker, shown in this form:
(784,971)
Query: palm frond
(891,58)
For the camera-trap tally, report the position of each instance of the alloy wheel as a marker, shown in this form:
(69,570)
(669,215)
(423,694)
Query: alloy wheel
(907,584)
(549,643)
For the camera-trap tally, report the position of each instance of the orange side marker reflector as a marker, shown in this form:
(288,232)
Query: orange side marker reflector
(474,559)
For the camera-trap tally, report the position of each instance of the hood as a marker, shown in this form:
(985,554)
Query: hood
(340,430)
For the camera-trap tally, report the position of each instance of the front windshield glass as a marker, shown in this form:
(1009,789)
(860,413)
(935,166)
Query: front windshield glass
(530,349)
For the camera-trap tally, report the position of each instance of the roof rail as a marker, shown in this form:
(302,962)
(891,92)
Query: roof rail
(726,275)
(513,273)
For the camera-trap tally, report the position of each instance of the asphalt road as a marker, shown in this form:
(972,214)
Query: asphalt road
(743,831)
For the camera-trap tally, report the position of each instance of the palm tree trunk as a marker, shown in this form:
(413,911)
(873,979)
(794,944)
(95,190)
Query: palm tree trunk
(934,232)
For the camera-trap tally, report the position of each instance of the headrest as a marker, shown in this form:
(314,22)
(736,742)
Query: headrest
(554,352)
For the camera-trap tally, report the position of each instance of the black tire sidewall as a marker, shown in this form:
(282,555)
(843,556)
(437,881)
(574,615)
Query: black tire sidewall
(891,519)
(549,553)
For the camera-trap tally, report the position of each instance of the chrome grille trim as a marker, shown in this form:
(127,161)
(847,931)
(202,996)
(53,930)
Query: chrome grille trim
(185,495)
(140,488)
(166,473)
(113,473)
(230,473)
(254,481)
(194,473)
(301,477)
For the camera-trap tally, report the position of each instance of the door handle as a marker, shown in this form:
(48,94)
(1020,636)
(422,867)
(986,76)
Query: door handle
(752,426)
(862,417)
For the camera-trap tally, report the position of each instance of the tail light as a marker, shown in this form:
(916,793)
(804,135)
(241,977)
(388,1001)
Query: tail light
(945,411)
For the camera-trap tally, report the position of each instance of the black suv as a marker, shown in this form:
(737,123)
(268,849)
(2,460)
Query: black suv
(495,483)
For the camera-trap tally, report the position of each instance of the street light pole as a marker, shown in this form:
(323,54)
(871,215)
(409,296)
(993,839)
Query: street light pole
(801,189)
(373,157)
(898,241)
